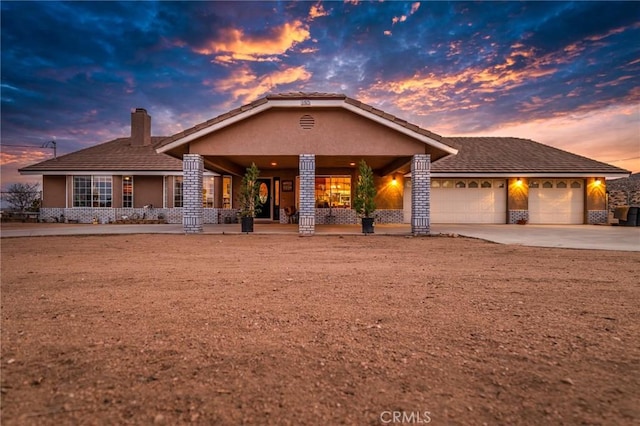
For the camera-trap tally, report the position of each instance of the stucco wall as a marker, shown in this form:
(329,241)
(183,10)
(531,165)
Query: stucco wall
(54,191)
(335,132)
(147,190)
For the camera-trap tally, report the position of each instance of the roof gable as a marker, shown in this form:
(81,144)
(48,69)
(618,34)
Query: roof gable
(305,100)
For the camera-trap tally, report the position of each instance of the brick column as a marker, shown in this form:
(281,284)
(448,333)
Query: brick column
(307,212)
(420,194)
(192,210)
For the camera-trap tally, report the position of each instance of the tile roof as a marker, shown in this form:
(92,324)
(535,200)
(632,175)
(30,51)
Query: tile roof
(117,154)
(515,155)
(301,95)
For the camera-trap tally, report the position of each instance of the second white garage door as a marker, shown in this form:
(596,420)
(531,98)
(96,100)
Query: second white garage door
(465,201)
(556,201)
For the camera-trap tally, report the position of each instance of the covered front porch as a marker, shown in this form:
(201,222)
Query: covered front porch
(307,147)
(311,195)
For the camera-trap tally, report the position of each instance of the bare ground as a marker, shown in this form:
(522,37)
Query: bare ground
(170,329)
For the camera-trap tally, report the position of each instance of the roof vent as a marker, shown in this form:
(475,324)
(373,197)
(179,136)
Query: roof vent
(307,122)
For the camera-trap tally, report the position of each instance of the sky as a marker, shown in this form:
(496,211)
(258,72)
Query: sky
(566,74)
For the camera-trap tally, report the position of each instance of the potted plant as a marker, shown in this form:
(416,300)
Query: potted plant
(364,201)
(249,199)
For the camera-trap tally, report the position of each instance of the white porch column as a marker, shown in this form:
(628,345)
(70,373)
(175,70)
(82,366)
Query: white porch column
(192,210)
(307,212)
(420,194)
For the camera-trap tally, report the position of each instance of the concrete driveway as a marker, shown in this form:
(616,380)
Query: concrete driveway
(594,237)
(566,236)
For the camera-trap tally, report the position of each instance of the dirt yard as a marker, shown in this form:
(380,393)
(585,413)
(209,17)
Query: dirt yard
(284,330)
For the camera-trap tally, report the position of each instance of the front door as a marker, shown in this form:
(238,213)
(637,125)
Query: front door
(265,197)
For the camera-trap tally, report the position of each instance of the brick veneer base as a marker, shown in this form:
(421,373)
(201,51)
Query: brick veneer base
(596,216)
(516,215)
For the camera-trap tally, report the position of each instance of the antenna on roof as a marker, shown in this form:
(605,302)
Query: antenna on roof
(53,145)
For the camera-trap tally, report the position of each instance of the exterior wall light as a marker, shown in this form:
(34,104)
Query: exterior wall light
(519,182)
(597,182)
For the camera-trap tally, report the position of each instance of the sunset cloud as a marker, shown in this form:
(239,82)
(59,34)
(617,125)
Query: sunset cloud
(244,85)
(317,11)
(234,44)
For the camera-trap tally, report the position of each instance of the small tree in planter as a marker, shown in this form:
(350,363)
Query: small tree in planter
(364,201)
(249,200)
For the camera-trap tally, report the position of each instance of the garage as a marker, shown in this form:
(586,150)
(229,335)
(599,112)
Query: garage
(465,201)
(556,201)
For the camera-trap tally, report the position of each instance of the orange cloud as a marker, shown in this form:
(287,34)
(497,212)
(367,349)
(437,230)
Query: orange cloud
(246,86)
(440,93)
(235,45)
(317,11)
(23,158)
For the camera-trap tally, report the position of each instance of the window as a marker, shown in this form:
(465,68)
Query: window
(561,184)
(127,191)
(473,184)
(498,184)
(207,192)
(92,191)
(534,184)
(226,192)
(461,184)
(547,184)
(447,184)
(435,183)
(486,184)
(177,191)
(333,191)
(576,184)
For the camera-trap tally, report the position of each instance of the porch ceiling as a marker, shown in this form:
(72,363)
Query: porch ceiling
(237,164)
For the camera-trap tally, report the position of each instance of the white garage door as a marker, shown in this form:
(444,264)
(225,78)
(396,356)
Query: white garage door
(465,201)
(556,201)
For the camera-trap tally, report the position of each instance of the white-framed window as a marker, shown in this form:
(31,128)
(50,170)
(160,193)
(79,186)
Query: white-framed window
(177,191)
(92,191)
(226,192)
(127,191)
(207,192)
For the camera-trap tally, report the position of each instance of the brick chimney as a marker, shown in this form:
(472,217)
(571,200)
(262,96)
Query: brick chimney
(140,127)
